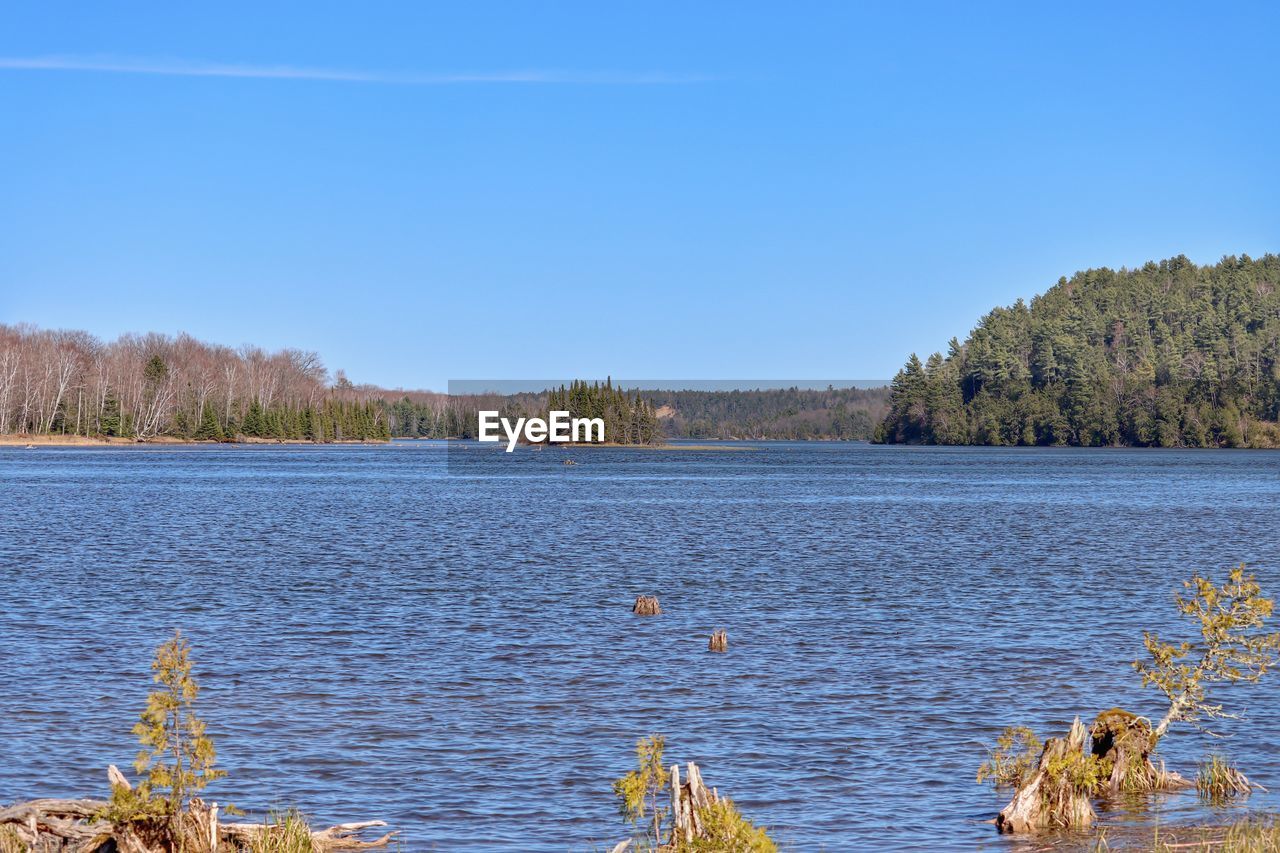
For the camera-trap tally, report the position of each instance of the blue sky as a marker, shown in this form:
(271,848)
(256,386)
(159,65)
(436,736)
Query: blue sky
(423,192)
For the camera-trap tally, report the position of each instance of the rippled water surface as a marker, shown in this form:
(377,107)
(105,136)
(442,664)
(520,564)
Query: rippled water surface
(451,648)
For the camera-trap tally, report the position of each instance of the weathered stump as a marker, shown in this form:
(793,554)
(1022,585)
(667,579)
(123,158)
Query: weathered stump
(687,800)
(1122,745)
(1054,797)
(719,641)
(646,605)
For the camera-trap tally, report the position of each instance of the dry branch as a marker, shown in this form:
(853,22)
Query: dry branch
(75,826)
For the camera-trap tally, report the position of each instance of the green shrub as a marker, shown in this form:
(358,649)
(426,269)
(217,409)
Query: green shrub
(1013,759)
(641,790)
(728,831)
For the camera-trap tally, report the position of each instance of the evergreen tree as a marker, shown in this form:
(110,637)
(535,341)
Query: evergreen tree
(209,429)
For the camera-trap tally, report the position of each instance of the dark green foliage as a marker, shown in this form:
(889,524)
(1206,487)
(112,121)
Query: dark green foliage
(255,422)
(111,422)
(778,413)
(1169,355)
(155,372)
(628,418)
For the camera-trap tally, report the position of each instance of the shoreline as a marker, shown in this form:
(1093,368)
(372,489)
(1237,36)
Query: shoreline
(21,440)
(663,446)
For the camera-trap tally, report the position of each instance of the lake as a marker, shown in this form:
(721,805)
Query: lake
(449,645)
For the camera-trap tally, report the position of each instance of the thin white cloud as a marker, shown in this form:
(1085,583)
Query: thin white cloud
(186,68)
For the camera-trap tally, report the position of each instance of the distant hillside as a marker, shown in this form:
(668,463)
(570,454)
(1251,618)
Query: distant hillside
(782,413)
(1169,355)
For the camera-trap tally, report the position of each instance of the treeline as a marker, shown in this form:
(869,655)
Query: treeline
(144,386)
(1169,355)
(648,417)
(628,418)
(782,413)
(421,414)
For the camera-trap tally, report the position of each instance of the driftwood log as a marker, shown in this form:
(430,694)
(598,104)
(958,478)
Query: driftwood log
(344,836)
(719,641)
(77,826)
(646,605)
(61,825)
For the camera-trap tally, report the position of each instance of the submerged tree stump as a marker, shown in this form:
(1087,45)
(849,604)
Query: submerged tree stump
(1056,796)
(687,799)
(719,641)
(1122,745)
(646,605)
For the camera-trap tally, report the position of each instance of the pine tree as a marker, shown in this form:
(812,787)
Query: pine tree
(209,429)
(254,420)
(176,756)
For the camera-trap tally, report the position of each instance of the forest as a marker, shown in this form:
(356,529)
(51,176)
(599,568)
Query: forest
(650,416)
(1169,355)
(143,387)
(146,386)
(628,419)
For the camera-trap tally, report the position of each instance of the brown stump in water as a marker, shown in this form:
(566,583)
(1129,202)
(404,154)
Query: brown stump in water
(719,641)
(646,605)
(1122,745)
(1054,797)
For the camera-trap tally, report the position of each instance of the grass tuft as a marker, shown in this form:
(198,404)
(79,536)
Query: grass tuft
(11,842)
(287,832)
(1219,780)
(1252,835)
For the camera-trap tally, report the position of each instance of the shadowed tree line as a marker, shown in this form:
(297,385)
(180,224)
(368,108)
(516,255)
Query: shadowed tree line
(1169,355)
(777,413)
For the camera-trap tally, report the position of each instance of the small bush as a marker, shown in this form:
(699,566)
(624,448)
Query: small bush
(728,832)
(1013,759)
(643,789)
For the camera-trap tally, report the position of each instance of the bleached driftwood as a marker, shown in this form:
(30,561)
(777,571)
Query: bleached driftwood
(63,825)
(344,836)
(76,826)
(687,801)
